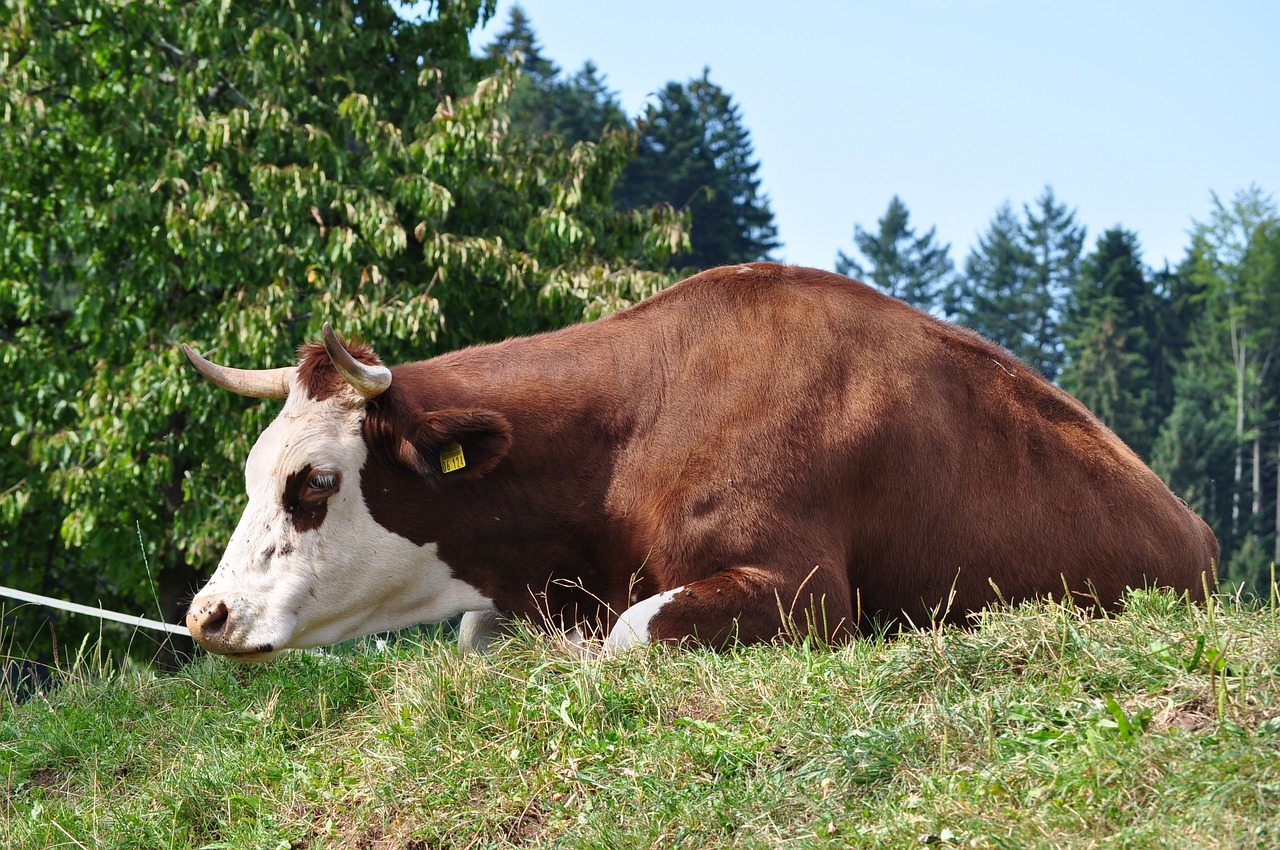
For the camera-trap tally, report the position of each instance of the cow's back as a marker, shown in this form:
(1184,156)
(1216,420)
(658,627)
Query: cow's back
(798,417)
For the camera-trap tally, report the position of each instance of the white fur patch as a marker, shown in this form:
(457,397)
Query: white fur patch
(349,577)
(478,630)
(632,628)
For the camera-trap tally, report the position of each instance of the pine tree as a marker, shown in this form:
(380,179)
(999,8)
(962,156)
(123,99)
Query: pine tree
(695,153)
(1054,243)
(991,296)
(1017,278)
(532,106)
(1180,305)
(1194,450)
(520,41)
(583,107)
(899,263)
(1111,339)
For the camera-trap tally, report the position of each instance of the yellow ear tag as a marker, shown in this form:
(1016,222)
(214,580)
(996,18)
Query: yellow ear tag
(451,459)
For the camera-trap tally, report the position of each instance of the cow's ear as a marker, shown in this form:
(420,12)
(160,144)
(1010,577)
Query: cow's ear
(458,443)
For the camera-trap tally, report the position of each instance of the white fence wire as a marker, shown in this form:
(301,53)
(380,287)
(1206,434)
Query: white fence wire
(102,613)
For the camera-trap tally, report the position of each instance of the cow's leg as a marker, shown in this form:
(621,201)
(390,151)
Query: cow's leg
(478,630)
(739,604)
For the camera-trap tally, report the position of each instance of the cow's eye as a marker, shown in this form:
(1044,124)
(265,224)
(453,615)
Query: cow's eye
(321,483)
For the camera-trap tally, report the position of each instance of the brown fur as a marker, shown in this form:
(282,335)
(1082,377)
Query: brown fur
(783,442)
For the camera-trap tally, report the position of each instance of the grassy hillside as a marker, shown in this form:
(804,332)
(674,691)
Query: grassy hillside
(1157,728)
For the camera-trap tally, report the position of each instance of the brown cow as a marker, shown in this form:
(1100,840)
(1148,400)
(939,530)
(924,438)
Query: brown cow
(757,450)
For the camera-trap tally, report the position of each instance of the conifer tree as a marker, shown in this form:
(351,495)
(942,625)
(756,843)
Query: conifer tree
(584,108)
(899,263)
(1054,243)
(695,153)
(532,105)
(1111,339)
(1017,278)
(991,296)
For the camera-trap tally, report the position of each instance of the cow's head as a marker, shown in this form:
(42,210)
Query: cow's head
(309,563)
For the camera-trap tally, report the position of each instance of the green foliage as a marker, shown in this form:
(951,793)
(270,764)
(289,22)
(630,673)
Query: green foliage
(1017,278)
(1111,340)
(695,153)
(1234,262)
(1054,243)
(1156,728)
(1195,447)
(520,43)
(990,297)
(900,263)
(576,108)
(234,175)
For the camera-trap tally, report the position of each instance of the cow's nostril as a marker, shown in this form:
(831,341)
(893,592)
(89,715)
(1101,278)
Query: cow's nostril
(217,620)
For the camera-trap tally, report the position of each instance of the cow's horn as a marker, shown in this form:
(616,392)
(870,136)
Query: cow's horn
(367,380)
(255,383)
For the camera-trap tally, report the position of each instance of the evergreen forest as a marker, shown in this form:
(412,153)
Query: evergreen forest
(234,175)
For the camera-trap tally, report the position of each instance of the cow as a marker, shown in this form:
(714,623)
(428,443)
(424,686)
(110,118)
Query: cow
(757,451)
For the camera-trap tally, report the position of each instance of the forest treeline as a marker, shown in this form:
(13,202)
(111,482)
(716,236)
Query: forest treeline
(234,175)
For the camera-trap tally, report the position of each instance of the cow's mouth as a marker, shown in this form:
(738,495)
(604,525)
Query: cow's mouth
(263,653)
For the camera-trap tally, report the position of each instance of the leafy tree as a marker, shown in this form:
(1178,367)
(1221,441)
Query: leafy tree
(1111,339)
(695,153)
(233,175)
(1237,260)
(913,268)
(1222,434)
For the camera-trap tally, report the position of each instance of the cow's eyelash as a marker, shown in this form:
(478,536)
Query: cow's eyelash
(323,481)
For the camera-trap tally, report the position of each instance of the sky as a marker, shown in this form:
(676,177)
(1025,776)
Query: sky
(1134,112)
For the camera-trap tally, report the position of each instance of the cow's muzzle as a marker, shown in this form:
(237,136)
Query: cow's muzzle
(212,623)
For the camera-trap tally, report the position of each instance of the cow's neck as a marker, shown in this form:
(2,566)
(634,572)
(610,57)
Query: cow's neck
(533,531)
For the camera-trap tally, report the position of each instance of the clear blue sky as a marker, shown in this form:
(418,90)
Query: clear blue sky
(1133,111)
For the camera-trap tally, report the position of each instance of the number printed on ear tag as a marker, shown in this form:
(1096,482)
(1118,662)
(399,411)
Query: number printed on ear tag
(451,459)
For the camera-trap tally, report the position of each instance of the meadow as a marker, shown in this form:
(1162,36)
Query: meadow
(1157,727)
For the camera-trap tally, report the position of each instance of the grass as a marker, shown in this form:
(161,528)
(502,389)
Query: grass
(1156,728)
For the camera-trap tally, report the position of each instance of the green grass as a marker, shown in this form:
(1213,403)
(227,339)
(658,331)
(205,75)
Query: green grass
(1156,728)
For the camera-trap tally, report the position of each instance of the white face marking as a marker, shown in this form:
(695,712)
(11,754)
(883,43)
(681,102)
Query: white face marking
(285,587)
(632,628)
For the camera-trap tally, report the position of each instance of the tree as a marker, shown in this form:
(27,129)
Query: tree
(1017,278)
(1222,433)
(1111,340)
(1053,243)
(899,263)
(1194,449)
(1180,302)
(991,296)
(1237,260)
(532,102)
(584,107)
(577,108)
(695,153)
(233,176)
(519,43)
